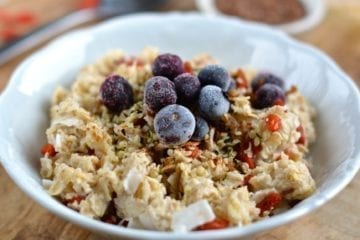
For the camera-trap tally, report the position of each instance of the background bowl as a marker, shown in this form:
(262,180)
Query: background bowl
(315,12)
(24,104)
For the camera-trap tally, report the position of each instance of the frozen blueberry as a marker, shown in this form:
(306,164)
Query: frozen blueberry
(214,75)
(263,78)
(187,87)
(116,93)
(268,95)
(174,124)
(212,102)
(201,129)
(159,92)
(168,65)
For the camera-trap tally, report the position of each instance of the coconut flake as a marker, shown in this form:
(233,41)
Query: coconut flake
(135,223)
(192,216)
(46,183)
(58,142)
(171,179)
(69,122)
(132,180)
(147,221)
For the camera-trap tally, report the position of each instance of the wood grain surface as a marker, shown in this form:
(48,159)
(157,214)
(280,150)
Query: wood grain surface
(338,35)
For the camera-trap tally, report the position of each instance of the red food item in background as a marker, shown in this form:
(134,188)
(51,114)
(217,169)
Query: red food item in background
(12,24)
(8,34)
(17,18)
(88,4)
(5,17)
(25,18)
(48,149)
(270,202)
(302,138)
(273,122)
(218,223)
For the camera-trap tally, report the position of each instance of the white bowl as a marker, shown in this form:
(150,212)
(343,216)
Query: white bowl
(315,12)
(24,104)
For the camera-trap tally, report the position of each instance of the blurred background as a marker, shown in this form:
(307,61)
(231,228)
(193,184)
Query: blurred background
(335,27)
(26,25)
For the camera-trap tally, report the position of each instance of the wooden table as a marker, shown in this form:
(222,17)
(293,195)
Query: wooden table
(338,35)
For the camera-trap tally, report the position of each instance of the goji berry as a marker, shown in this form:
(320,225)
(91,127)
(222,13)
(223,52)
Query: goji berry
(240,79)
(302,138)
(48,149)
(273,122)
(188,67)
(270,202)
(218,223)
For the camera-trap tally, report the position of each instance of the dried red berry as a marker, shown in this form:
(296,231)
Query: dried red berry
(270,202)
(48,149)
(273,122)
(240,78)
(247,179)
(302,138)
(242,154)
(76,198)
(188,67)
(218,223)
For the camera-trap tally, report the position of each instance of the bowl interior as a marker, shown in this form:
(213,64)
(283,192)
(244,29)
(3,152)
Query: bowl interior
(24,105)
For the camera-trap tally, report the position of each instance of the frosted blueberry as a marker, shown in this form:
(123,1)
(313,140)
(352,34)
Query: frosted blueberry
(212,103)
(159,92)
(215,75)
(174,124)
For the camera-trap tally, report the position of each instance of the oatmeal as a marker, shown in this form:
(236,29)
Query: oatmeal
(154,142)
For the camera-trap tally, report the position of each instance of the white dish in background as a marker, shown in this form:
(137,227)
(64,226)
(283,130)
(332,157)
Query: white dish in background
(315,12)
(24,104)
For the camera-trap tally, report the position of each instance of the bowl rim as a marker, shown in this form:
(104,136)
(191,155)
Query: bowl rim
(315,12)
(254,228)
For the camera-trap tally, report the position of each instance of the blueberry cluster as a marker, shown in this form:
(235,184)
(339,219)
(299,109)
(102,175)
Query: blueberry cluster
(171,91)
(268,90)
